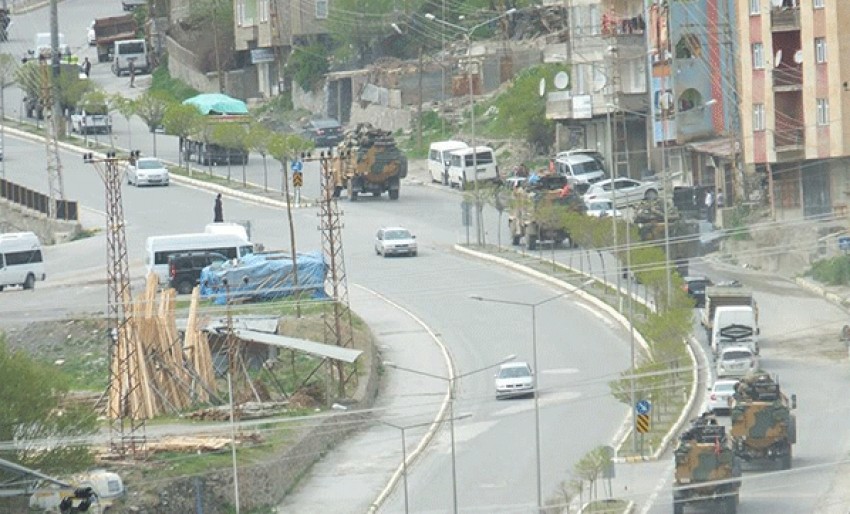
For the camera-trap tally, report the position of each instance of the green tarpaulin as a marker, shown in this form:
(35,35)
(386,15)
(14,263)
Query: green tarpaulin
(216,103)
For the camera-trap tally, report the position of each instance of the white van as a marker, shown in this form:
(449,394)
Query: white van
(159,248)
(221,227)
(735,325)
(579,168)
(20,260)
(125,51)
(466,166)
(439,155)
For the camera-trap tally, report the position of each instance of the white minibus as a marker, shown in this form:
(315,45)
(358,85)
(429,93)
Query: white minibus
(159,248)
(20,260)
(439,155)
(467,166)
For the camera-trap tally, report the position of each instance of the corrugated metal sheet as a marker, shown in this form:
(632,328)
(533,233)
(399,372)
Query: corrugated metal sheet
(319,349)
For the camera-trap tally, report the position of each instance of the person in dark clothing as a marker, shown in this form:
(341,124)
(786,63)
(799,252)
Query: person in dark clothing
(87,67)
(218,211)
(132,72)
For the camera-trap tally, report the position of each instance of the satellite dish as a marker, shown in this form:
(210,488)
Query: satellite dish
(562,80)
(542,87)
(599,81)
(798,57)
(778,58)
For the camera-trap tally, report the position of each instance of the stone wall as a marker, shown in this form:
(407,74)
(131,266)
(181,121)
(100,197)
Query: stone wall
(183,64)
(14,218)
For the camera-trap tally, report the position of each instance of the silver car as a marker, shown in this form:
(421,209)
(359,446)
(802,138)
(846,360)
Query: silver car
(514,379)
(719,394)
(736,361)
(628,191)
(395,241)
(147,171)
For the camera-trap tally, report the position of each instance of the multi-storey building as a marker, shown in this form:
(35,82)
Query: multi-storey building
(795,67)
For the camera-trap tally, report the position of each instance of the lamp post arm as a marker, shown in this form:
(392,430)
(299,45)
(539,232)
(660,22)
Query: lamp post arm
(417,372)
(485,368)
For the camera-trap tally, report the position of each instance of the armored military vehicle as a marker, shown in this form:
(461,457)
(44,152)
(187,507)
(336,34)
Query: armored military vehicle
(707,470)
(763,427)
(535,212)
(683,233)
(368,161)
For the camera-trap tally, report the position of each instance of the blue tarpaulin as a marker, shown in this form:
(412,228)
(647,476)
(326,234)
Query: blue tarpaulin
(217,103)
(264,276)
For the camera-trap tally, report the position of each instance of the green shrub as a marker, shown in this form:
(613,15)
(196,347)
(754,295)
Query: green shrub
(834,272)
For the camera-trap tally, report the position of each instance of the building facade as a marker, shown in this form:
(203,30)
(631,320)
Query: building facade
(794,69)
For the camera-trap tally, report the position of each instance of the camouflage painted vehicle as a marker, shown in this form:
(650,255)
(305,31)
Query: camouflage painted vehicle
(707,470)
(368,161)
(763,427)
(683,233)
(534,212)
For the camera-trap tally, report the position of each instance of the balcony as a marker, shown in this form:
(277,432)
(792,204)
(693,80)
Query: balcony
(783,19)
(788,78)
(789,138)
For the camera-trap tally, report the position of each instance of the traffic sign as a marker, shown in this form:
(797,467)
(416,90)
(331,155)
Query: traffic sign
(297,165)
(297,178)
(642,423)
(643,407)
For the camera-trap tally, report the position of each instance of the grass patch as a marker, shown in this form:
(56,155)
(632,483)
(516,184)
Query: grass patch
(84,234)
(833,272)
(163,82)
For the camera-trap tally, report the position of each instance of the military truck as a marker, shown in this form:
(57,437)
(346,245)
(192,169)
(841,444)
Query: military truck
(535,208)
(707,470)
(683,234)
(763,427)
(368,161)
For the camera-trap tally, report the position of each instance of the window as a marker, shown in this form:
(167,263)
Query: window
(321,9)
(817,4)
(754,7)
(240,13)
(263,11)
(820,49)
(25,257)
(823,111)
(758,117)
(758,56)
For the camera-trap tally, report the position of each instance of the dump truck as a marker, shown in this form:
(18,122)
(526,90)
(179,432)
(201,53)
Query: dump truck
(682,235)
(707,469)
(109,30)
(535,211)
(368,161)
(731,295)
(763,427)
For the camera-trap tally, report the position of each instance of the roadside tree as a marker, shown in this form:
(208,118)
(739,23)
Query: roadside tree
(233,137)
(182,121)
(151,107)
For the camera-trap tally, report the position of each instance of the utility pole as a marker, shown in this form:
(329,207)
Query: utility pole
(292,241)
(125,392)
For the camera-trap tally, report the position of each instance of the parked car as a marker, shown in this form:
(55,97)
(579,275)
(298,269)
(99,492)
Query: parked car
(628,191)
(736,361)
(514,379)
(395,241)
(695,288)
(323,132)
(601,208)
(184,269)
(147,171)
(717,400)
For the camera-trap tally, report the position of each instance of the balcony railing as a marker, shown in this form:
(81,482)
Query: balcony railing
(785,18)
(787,76)
(789,138)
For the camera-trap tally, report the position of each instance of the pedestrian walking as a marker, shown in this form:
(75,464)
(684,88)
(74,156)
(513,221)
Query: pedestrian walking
(218,210)
(709,206)
(87,67)
(721,199)
(133,74)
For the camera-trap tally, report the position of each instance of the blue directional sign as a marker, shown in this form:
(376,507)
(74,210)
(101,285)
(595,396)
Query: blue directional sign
(643,406)
(297,165)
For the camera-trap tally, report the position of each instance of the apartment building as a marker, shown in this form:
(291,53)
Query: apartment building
(795,69)
(265,32)
(651,87)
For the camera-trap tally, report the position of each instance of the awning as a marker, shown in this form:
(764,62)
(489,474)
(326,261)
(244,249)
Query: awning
(723,147)
(259,323)
(319,349)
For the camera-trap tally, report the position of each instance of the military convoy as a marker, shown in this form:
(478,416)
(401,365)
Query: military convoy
(763,427)
(535,211)
(368,161)
(707,469)
(683,234)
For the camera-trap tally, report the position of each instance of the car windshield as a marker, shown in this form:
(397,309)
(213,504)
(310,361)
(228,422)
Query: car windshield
(726,387)
(149,165)
(600,206)
(514,372)
(584,167)
(736,355)
(396,234)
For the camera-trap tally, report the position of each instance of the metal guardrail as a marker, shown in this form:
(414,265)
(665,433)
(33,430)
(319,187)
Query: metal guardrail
(25,197)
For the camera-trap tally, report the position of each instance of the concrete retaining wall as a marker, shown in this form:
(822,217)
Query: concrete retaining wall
(14,218)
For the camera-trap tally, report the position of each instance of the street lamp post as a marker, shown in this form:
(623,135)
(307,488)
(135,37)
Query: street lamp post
(450,380)
(467,36)
(536,369)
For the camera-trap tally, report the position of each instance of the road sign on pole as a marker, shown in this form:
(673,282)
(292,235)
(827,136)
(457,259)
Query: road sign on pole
(643,407)
(297,178)
(642,423)
(297,166)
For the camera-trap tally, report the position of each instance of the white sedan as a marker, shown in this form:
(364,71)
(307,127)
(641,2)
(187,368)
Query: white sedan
(628,191)
(719,394)
(395,241)
(147,171)
(601,209)
(514,379)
